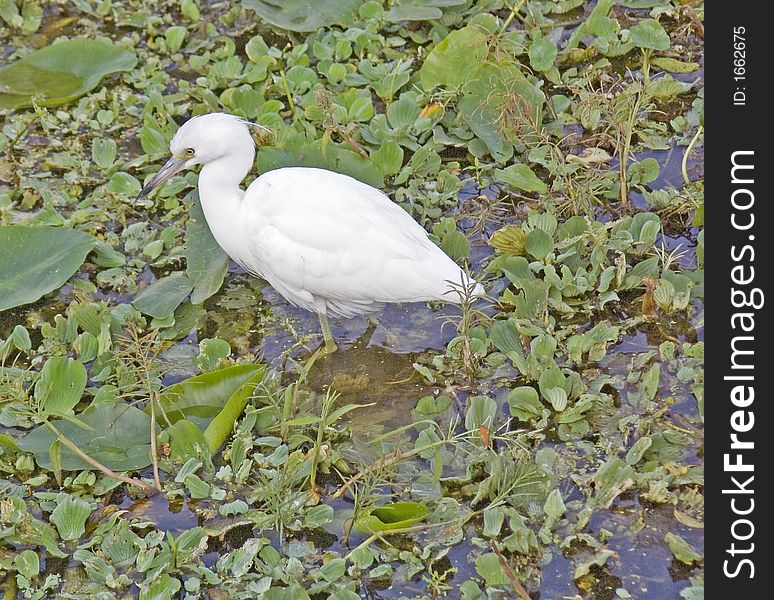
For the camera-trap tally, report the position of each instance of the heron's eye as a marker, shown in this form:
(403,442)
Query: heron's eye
(189,151)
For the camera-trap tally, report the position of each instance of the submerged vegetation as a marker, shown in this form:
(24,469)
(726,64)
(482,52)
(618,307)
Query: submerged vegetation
(168,430)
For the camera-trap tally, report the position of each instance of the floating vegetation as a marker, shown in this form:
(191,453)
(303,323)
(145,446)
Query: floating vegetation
(167,428)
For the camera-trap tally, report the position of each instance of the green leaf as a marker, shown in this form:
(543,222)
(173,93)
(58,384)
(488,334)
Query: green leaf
(124,184)
(220,427)
(481,411)
(674,66)
(637,451)
(388,517)
(175,36)
(455,59)
(681,549)
(69,517)
(644,172)
(433,405)
(162,297)
(402,113)
(388,158)
(493,521)
(304,15)
(27,563)
(186,441)
(488,566)
(333,569)
(61,384)
(506,337)
(203,397)
(539,244)
(649,33)
(554,506)
(37,260)
(509,239)
(522,177)
(61,72)
(206,261)
(542,54)
(103,152)
(524,403)
(116,435)
(557,396)
(152,140)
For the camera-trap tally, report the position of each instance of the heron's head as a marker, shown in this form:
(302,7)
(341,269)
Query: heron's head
(205,139)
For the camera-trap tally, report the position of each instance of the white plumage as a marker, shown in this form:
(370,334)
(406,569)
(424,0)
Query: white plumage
(325,241)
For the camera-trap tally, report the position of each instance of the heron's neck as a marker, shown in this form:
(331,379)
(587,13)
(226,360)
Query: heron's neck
(221,198)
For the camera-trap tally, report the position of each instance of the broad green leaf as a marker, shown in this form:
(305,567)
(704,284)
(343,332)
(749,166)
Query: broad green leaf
(69,517)
(402,113)
(206,261)
(191,542)
(211,352)
(506,337)
(203,397)
(542,54)
(554,506)
(509,239)
(432,405)
(116,435)
(61,72)
(489,567)
(481,411)
(304,15)
(539,244)
(333,570)
(649,33)
(388,158)
(681,549)
(124,184)
(455,59)
(522,177)
(611,479)
(635,453)
(220,427)
(525,403)
(61,384)
(388,517)
(27,563)
(37,260)
(103,152)
(162,297)
(186,440)
(152,140)
(557,396)
(493,521)
(674,66)
(175,36)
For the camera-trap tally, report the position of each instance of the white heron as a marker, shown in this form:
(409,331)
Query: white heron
(325,241)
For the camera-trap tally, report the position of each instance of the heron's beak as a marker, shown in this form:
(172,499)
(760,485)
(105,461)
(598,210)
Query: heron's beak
(173,167)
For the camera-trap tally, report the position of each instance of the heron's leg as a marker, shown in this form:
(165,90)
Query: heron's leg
(330,345)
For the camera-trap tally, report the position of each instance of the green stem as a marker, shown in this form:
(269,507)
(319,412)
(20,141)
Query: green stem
(687,152)
(514,12)
(288,95)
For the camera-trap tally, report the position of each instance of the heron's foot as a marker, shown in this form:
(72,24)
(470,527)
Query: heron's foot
(329,348)
(330,344)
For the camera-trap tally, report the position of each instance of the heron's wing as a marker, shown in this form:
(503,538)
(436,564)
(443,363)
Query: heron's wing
(321,234)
